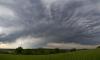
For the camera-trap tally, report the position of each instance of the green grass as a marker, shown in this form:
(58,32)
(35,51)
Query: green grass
(78,55)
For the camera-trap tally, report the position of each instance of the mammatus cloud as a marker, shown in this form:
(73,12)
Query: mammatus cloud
(45,22)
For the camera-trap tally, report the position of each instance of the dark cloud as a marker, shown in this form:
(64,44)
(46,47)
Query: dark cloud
(69,21)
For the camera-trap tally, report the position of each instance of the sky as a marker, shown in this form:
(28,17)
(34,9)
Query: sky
(49,23)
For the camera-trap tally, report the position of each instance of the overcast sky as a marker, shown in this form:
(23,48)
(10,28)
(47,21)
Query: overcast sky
(49,23)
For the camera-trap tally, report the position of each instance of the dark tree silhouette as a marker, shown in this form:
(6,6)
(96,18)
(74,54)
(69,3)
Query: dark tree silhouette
(98,46)
(73,49)
(19,50)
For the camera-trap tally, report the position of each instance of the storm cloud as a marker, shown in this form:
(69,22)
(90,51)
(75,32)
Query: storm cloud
(55,21)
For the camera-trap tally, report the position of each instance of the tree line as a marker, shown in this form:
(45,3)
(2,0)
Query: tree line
(38,51)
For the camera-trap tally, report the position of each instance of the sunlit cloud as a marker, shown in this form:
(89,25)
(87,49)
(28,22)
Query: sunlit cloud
(26,42)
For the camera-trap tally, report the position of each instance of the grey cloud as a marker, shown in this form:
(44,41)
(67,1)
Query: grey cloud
(74,21)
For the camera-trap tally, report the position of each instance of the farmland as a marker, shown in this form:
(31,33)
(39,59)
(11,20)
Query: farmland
(93,54)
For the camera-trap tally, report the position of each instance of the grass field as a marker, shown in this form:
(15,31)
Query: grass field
(78,55)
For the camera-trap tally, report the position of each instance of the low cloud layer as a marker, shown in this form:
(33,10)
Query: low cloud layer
(70,46)
(55,21)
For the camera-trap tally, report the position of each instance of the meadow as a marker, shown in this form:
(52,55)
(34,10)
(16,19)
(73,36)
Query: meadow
(93,54)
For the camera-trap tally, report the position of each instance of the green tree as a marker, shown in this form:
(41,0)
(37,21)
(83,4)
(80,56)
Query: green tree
(73,49)
(19,50)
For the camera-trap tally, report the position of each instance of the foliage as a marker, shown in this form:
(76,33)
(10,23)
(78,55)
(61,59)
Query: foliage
(74,49)
(19,50)
(39,51)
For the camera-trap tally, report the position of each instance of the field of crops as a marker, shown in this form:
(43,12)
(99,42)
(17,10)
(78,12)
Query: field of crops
(78,55)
